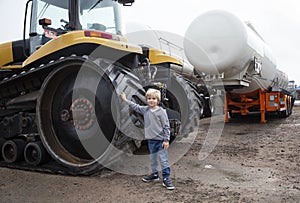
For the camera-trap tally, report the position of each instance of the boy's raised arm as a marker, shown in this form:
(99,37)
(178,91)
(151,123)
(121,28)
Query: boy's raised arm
(123,97)
(137,108)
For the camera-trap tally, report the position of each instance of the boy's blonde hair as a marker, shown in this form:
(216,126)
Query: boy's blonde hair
(153,93)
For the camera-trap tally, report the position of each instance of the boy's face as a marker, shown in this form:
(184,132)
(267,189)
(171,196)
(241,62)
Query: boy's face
(152,101)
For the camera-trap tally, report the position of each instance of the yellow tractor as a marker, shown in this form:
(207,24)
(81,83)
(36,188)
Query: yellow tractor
(60,109)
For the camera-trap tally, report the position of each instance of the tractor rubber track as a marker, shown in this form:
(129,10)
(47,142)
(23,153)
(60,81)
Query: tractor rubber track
(51,167)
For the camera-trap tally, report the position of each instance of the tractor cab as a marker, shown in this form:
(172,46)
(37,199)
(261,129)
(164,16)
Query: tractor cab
(51,18)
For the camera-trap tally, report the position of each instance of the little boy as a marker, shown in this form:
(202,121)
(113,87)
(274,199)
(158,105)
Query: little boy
(157,132)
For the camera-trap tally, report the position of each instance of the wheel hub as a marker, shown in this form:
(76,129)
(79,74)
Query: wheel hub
(83,113)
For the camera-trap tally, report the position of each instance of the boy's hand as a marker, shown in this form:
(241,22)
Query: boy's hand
(123,96)
(165,145)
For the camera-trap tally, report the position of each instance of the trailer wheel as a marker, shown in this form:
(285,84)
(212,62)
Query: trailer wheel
(284,113)
(209,108)
(35,153)
(216,105)
(202,107)
(12,150)
(290,102)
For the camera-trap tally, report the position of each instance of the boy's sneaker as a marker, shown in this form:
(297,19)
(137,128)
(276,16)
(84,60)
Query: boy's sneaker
(167,182)
(151,177)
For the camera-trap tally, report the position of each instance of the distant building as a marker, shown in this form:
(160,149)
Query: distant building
(295,91)
(291,85)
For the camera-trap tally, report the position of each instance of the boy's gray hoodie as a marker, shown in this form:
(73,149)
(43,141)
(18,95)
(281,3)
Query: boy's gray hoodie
(156,123)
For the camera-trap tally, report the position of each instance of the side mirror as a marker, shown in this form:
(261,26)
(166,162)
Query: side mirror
(45,22)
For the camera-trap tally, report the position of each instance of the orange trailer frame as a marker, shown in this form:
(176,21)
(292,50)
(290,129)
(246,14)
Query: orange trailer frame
(262,101)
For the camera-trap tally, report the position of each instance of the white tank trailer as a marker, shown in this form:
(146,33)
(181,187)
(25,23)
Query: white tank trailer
(233,55)
(222,46)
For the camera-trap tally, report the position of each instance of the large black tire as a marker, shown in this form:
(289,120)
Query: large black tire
(208,108)
(81,116)
(183,98)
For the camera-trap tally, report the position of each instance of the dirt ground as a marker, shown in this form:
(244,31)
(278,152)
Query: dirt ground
(251,162)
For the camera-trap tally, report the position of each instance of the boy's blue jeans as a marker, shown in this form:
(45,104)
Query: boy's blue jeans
(157,152)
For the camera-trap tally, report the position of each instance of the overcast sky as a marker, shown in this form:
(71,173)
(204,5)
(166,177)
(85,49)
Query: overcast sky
(277,21)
